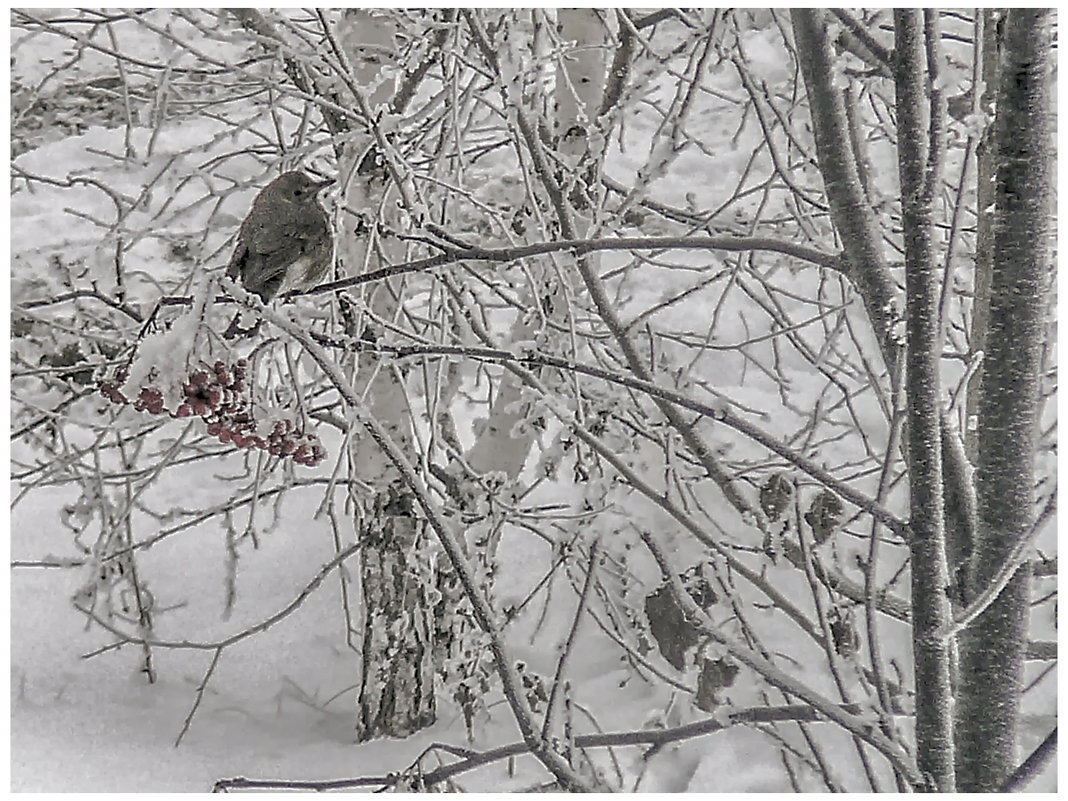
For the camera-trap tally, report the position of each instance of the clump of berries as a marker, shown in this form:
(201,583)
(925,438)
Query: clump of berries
(218,392)
(281,440)
(218,395)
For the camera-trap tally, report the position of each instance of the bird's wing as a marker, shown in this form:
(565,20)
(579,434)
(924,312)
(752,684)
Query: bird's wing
(270,238)
(236,268)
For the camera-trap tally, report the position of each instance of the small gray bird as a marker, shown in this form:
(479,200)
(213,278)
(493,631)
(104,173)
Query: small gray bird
(285,243)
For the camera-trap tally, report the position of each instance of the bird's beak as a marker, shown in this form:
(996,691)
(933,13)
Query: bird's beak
(321,185)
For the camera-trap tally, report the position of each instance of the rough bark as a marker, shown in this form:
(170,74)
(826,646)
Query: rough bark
(919,168)
(993,647)
(984,238)
(396,685)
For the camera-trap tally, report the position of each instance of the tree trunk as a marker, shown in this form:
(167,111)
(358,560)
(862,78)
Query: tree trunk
(984,239)
(397,680)
(397,685)
(993,646)
(919,166)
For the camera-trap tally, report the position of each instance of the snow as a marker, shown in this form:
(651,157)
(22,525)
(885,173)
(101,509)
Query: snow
(280,704)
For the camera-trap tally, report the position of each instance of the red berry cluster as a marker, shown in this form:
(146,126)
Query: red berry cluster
(219,392)
(218,396)
(150,400)
(283,439)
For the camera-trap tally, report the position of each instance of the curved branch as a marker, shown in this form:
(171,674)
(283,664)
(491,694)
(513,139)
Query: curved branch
(470,760)
(852,215)
(580,247)
(480,607)
(854,724)
(452,255)
(653,390)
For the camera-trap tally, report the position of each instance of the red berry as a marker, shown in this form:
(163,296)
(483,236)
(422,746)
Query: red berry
(112,393)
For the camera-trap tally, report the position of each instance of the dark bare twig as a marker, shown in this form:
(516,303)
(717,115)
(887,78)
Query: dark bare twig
(1032,766)
(474,759)
(883,55)
(241,783)
(577,246)
(773,675)
(658,16)
(93,293)
(199,696)
(561,665)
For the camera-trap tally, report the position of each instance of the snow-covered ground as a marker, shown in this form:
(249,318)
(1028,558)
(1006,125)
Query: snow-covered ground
(280,704)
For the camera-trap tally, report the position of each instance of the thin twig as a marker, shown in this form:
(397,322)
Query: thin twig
(569,645)
(199,696)
(773,675)
(475,759)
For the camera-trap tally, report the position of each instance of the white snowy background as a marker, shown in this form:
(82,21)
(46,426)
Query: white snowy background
(280,704)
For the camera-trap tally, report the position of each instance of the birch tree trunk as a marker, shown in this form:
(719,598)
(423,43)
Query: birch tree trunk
(397,678)
(919,165)
(992,648)
(501,445)
(984,251)
(580,81)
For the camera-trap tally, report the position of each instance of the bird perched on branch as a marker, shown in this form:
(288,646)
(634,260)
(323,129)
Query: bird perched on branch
(285,243)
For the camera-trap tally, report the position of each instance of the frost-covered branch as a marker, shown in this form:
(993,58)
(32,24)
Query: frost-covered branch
(1015,561)
(472,760)
(720,413)
(773,675)
(483,613)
